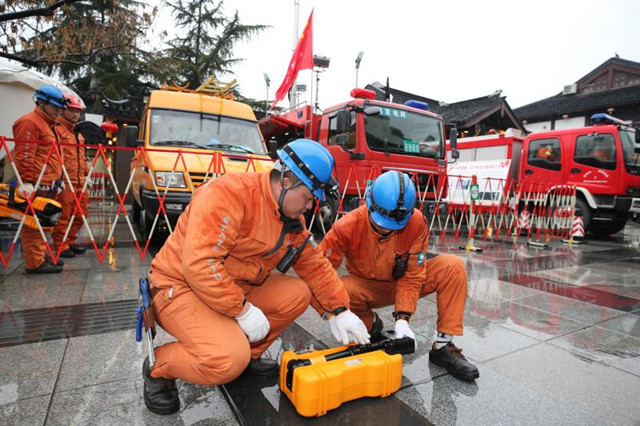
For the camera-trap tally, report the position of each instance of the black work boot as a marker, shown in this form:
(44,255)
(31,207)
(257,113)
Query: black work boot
(67,254)
(48,259)
(376,329)
(262,367)
(45,268)
(160,395)
(451,358)
(77,249)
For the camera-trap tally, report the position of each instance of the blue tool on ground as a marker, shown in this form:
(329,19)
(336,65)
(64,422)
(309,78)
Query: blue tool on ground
(146,319)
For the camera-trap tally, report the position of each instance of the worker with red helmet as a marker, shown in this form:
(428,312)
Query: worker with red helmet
(384,243)
(75,162)
(39,168)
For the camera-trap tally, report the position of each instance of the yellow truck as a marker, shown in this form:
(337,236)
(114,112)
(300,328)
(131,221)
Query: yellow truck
(190,136)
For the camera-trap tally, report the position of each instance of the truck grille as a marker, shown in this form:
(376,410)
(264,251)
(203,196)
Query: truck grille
(199,178)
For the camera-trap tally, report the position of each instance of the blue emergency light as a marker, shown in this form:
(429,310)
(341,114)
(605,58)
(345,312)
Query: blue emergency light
(417,104)
(602,118)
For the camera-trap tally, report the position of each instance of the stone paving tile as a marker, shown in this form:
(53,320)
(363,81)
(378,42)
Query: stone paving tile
(605,346)
(493,399)
(628,324)
(23,412)
(121,403)
(497,288)
(108,285)
(20,291)
(570,308)
(29,370)
(531,322)
(598,391)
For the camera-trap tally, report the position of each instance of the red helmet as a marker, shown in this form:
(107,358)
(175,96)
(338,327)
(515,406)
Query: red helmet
(74,102)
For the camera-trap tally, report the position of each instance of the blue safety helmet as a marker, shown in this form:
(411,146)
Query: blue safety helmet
(391,199)
(312,164)
(52,95)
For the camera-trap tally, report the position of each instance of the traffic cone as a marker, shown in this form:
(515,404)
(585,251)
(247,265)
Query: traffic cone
(523,222)
(577,231)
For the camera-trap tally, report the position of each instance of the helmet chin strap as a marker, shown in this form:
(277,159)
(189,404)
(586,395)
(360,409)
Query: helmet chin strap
(283,192)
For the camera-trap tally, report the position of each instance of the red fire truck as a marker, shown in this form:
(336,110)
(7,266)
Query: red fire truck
(367,137)
(601,160)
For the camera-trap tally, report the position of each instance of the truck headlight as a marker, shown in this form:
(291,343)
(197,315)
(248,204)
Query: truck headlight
(171,179)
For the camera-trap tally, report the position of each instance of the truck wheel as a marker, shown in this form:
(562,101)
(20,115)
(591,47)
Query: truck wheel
(327,212)
(144,224)
(587,214)
(135,210)
(609,228)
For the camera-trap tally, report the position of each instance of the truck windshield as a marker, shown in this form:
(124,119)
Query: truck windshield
(631,160)
(195,130)
(400,131)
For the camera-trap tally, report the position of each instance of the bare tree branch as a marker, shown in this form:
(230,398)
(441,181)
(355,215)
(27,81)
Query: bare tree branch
(42,61)
(43,11)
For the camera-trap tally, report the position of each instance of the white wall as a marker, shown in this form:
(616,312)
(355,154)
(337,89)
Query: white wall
(543,126)
(570,123)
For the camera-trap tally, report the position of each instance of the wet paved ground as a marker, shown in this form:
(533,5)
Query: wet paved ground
(555,333)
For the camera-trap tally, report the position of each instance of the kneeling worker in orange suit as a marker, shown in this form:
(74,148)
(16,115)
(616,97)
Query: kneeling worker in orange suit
(385,245)
(212,286)
(75,162)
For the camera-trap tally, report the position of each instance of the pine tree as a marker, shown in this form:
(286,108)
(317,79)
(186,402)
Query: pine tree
(205,45)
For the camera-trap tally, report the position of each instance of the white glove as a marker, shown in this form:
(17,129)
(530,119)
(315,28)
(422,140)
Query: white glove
(254,324)
(28,188)
(347,327)
(89,183)
(403,330)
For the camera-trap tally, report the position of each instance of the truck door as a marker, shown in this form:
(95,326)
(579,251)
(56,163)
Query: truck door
(542,166)
(351,165)
(594,163)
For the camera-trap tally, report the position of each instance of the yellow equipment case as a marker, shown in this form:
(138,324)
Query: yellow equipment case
(318,381)
(14,206)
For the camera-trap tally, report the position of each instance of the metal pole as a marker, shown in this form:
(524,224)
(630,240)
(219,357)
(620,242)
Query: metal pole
(296,18)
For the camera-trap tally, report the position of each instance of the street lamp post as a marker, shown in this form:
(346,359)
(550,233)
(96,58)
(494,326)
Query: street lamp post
(267,80)
(320,64)
(358,60)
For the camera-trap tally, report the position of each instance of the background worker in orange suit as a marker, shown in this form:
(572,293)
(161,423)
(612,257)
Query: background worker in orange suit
(30,158)
(212,284)
(385,245)
(75,161)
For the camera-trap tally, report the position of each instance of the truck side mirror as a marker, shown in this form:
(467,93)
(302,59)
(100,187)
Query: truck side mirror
(131,136)
(343,117)
(373,110)
(272,146)
(453,143)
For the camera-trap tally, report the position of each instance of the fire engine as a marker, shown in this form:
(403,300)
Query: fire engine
(601,160)
(367,137)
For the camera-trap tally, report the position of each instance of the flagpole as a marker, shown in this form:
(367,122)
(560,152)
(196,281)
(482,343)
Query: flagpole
(296,19)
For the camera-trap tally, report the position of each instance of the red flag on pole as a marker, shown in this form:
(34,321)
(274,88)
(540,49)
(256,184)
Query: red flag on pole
(302,59)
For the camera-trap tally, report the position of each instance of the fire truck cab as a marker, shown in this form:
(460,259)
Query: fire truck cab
(367,137)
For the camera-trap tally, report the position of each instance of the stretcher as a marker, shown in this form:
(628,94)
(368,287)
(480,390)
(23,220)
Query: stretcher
(319,381)
(12,205)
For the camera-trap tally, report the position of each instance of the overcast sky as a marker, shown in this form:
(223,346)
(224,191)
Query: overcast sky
(445,50)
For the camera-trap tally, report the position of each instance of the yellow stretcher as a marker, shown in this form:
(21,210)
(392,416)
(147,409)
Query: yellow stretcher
(12,205)
(318,381)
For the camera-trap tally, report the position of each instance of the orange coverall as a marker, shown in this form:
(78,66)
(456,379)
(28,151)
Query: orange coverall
(221,253)
(370,259)
(30,159)
(75,161)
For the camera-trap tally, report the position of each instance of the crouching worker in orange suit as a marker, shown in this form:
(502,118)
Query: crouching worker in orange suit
(212,284)
(385,245)
(75,162)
